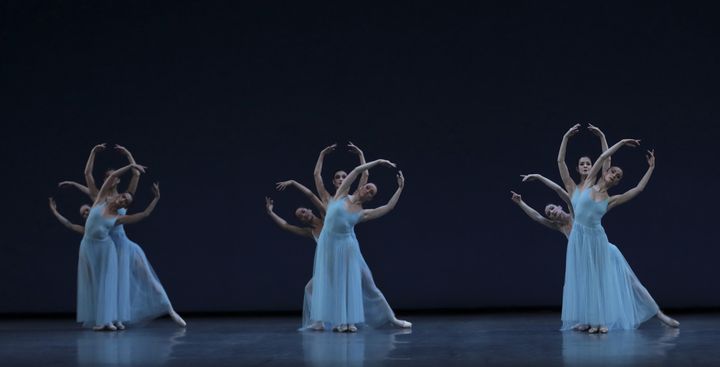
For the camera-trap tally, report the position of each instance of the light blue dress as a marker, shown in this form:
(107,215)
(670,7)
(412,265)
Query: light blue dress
(342,289)
(600,288)
(141,297)
(97,271)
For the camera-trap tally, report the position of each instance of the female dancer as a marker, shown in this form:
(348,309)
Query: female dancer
(584,163)
(339,176)
(141,296)
(97,263)
(556,218)
(338,298)
(595,292)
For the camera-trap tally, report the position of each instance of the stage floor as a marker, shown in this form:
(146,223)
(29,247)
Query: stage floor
(530,339)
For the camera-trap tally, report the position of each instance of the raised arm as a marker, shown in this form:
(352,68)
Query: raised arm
(564,173)
(89,179)
(552,185)
(616,200)
(134,218)
(76,185)
(344,188)
(110,181)
(366,174)
(532,213)
(136,174)
(369,214)
(603,145)
(317,174)
(280,186)
(282,223)
(607,154)
(75,227)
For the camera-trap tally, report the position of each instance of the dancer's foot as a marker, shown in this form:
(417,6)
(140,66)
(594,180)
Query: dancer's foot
(603,330)
(317,326)
(340,328)
(352,328)
(593,330)
(108,327)
(581,327)
(667,320)
(119,325)
(401,323)
(178,320)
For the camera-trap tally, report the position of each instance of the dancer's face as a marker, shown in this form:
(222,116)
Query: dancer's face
(85,211)
(367,192)
(338,178)
(613,176)
(584,165)
(123,200)
(554,212)
(305,215)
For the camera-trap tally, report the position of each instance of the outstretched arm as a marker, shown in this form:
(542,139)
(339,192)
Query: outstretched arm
(282,223)
(635,191)
(552,185)
(564,173)
(134,218)
(369,214)
(136,174)
(532,213)
(607,154)
(76,185)
(344,188)
(89,180)
(366,174)
(75,227)
(317,174)
(280,186)
(603,145)
(110,181)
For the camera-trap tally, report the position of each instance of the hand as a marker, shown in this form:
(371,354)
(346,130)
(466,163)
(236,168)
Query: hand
(385,162)
(122,149)
(99,148)
(401,180)
(156,189)
(269,204)
(651,158)
(52,204)
(573,130)
(280,186)
(595,130)
(328,149)
(529,177)
(631,142)
(139,167)
(516,197)
(354,149)
(65,184)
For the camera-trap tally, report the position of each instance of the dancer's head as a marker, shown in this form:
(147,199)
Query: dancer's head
(584,165)
(305,215)
(85,211)
(109,172)
(556,213)
(366,192)
(122,200)
(338,178)
(613,176)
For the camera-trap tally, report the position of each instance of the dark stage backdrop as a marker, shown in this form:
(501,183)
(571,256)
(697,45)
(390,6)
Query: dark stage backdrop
(222,100)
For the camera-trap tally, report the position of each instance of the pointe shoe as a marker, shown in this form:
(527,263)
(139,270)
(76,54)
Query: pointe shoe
(119,325)
(603,330)
(317,326)
(340,328)
(667,320)
(581,327)
(402,324)
(352,328)
(593,330)
(178,320)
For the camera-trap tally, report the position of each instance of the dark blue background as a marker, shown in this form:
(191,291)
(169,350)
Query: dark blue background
(223,99)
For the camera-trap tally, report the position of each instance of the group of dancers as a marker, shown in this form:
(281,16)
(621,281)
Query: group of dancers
(601,292)
(117,285)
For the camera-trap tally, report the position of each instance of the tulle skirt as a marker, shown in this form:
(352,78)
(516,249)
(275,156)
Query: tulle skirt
(97,284)
(141,296)
(600,288)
